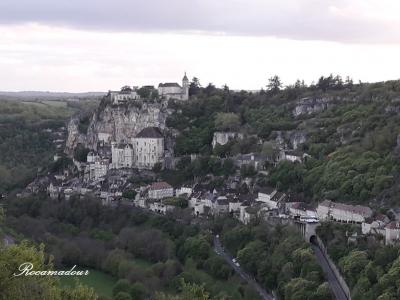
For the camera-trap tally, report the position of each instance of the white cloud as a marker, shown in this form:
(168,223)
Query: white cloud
(348,21)
(37,57)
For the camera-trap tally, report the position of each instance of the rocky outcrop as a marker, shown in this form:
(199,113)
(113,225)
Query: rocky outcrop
(347,133)
(291,139)
(118,123)
(311,105)
(74,137)
(223,137)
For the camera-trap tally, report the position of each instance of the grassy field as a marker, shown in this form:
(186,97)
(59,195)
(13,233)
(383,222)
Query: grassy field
(101,282)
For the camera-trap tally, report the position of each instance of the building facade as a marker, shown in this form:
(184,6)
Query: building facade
(172,90)
(392,233)
(328,210)
(98,169)
(148,148)
(122,155)
(300,209)
(160,190)
(126,94)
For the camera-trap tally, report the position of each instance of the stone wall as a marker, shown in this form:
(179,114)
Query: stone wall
(335,270)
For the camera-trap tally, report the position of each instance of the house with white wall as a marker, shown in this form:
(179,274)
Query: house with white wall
(392,233)
(300,209)
(340,212)
(160,190)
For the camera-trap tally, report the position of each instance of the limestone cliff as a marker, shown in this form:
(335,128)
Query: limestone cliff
(117,123)
(311,105)
(291,138)
(74,136)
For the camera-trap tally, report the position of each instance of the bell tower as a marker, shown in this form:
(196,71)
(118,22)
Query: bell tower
(185,88)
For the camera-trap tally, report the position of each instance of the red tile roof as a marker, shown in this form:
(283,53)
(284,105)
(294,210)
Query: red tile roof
(162,185)
(359,209)
(393,225)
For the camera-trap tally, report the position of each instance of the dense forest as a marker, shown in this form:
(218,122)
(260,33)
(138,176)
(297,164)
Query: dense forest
(147,253)
(26,143)
(352,140)
(371,270)
(278,257)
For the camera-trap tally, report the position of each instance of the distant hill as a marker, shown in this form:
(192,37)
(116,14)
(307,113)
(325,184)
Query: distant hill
(49,95)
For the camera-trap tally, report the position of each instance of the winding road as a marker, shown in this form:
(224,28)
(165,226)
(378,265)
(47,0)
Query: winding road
(221,252)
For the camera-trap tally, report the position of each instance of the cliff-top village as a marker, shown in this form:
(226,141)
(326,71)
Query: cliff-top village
(119,152)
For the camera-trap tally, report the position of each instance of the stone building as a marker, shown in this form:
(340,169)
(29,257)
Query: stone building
(122,155)
(160,190)
(272,198)
(172,90)
(98,169)
(256,160)
(92,156)
(328,210)
(126,94)
(148,148)
(392,233)
(291,155)
(300,209)
(54,188)
(220,206)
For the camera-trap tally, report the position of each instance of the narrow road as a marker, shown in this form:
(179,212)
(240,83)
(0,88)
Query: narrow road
(220,251)
(330,275)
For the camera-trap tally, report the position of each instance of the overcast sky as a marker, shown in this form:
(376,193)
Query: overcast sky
(96,45)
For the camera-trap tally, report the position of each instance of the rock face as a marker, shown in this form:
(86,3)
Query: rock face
(118,123)
(74,136)
(291,139)
(223,137)
(311,105)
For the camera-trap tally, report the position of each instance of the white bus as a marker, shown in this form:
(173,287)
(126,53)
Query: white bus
(309,219)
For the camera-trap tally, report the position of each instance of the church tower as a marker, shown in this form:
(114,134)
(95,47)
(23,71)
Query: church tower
(185,88)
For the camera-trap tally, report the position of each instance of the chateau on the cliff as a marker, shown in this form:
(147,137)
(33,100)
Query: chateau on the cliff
(126,93)
(126,132)
(173,90)
(169,90)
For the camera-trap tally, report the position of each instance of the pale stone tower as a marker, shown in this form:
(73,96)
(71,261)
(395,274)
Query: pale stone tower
(185,88)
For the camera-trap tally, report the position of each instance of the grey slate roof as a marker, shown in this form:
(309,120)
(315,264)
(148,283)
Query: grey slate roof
(150,132)
(169,84)
(267,190)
